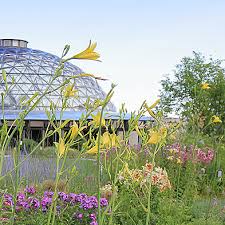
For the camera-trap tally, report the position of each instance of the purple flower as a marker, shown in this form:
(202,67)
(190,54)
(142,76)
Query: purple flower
(34,202)
(58,208)
(44,209)
(8,200)
(72,198)
(48,194)
(30,190)
(103,202)
(89,203)
(81,197)
(20,196)
(45,202)
(92,216)
(8,196)
(93,223)
(25,205)
(78,216)
(63,196)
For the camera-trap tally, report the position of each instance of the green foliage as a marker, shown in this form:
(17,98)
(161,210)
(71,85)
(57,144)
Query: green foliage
(183,95)
(29,144)
(208,212)
(173,212)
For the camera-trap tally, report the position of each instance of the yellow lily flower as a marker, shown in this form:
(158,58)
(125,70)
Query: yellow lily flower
(205,86)
(70,91)
(96,120)
(114,140)
(88,53)
(93,150)
(216,119)
(157,136)
(109,140)
(61,147)
(74,130)
(106,139)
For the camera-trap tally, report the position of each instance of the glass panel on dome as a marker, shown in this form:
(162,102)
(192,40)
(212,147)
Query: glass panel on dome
(23,44)
(7,43)
(15,43)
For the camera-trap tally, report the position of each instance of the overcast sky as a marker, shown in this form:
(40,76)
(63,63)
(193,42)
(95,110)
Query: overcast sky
(139,41)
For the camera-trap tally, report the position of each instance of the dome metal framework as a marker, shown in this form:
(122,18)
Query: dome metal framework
(32,71)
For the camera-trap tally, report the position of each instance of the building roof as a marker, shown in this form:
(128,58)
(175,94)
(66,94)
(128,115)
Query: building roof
(72,115)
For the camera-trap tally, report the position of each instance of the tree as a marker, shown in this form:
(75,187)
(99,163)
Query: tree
(196,91)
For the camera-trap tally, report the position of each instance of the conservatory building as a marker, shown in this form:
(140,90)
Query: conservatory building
(30,71)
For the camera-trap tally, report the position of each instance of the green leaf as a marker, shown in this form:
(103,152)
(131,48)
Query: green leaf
(65,123)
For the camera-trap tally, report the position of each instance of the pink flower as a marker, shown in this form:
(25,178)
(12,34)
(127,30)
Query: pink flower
(205,157)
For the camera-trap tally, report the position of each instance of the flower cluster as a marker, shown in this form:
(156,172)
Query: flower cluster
(85,206)
(205,157)
(30,190)
(182,154)
(156,175)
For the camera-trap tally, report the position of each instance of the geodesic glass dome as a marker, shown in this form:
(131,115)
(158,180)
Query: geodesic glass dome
(32,71)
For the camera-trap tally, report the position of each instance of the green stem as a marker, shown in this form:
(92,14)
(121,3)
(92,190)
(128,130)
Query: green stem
(54,198)
(99,167)
(17,170)
(150,187)
(178,182)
